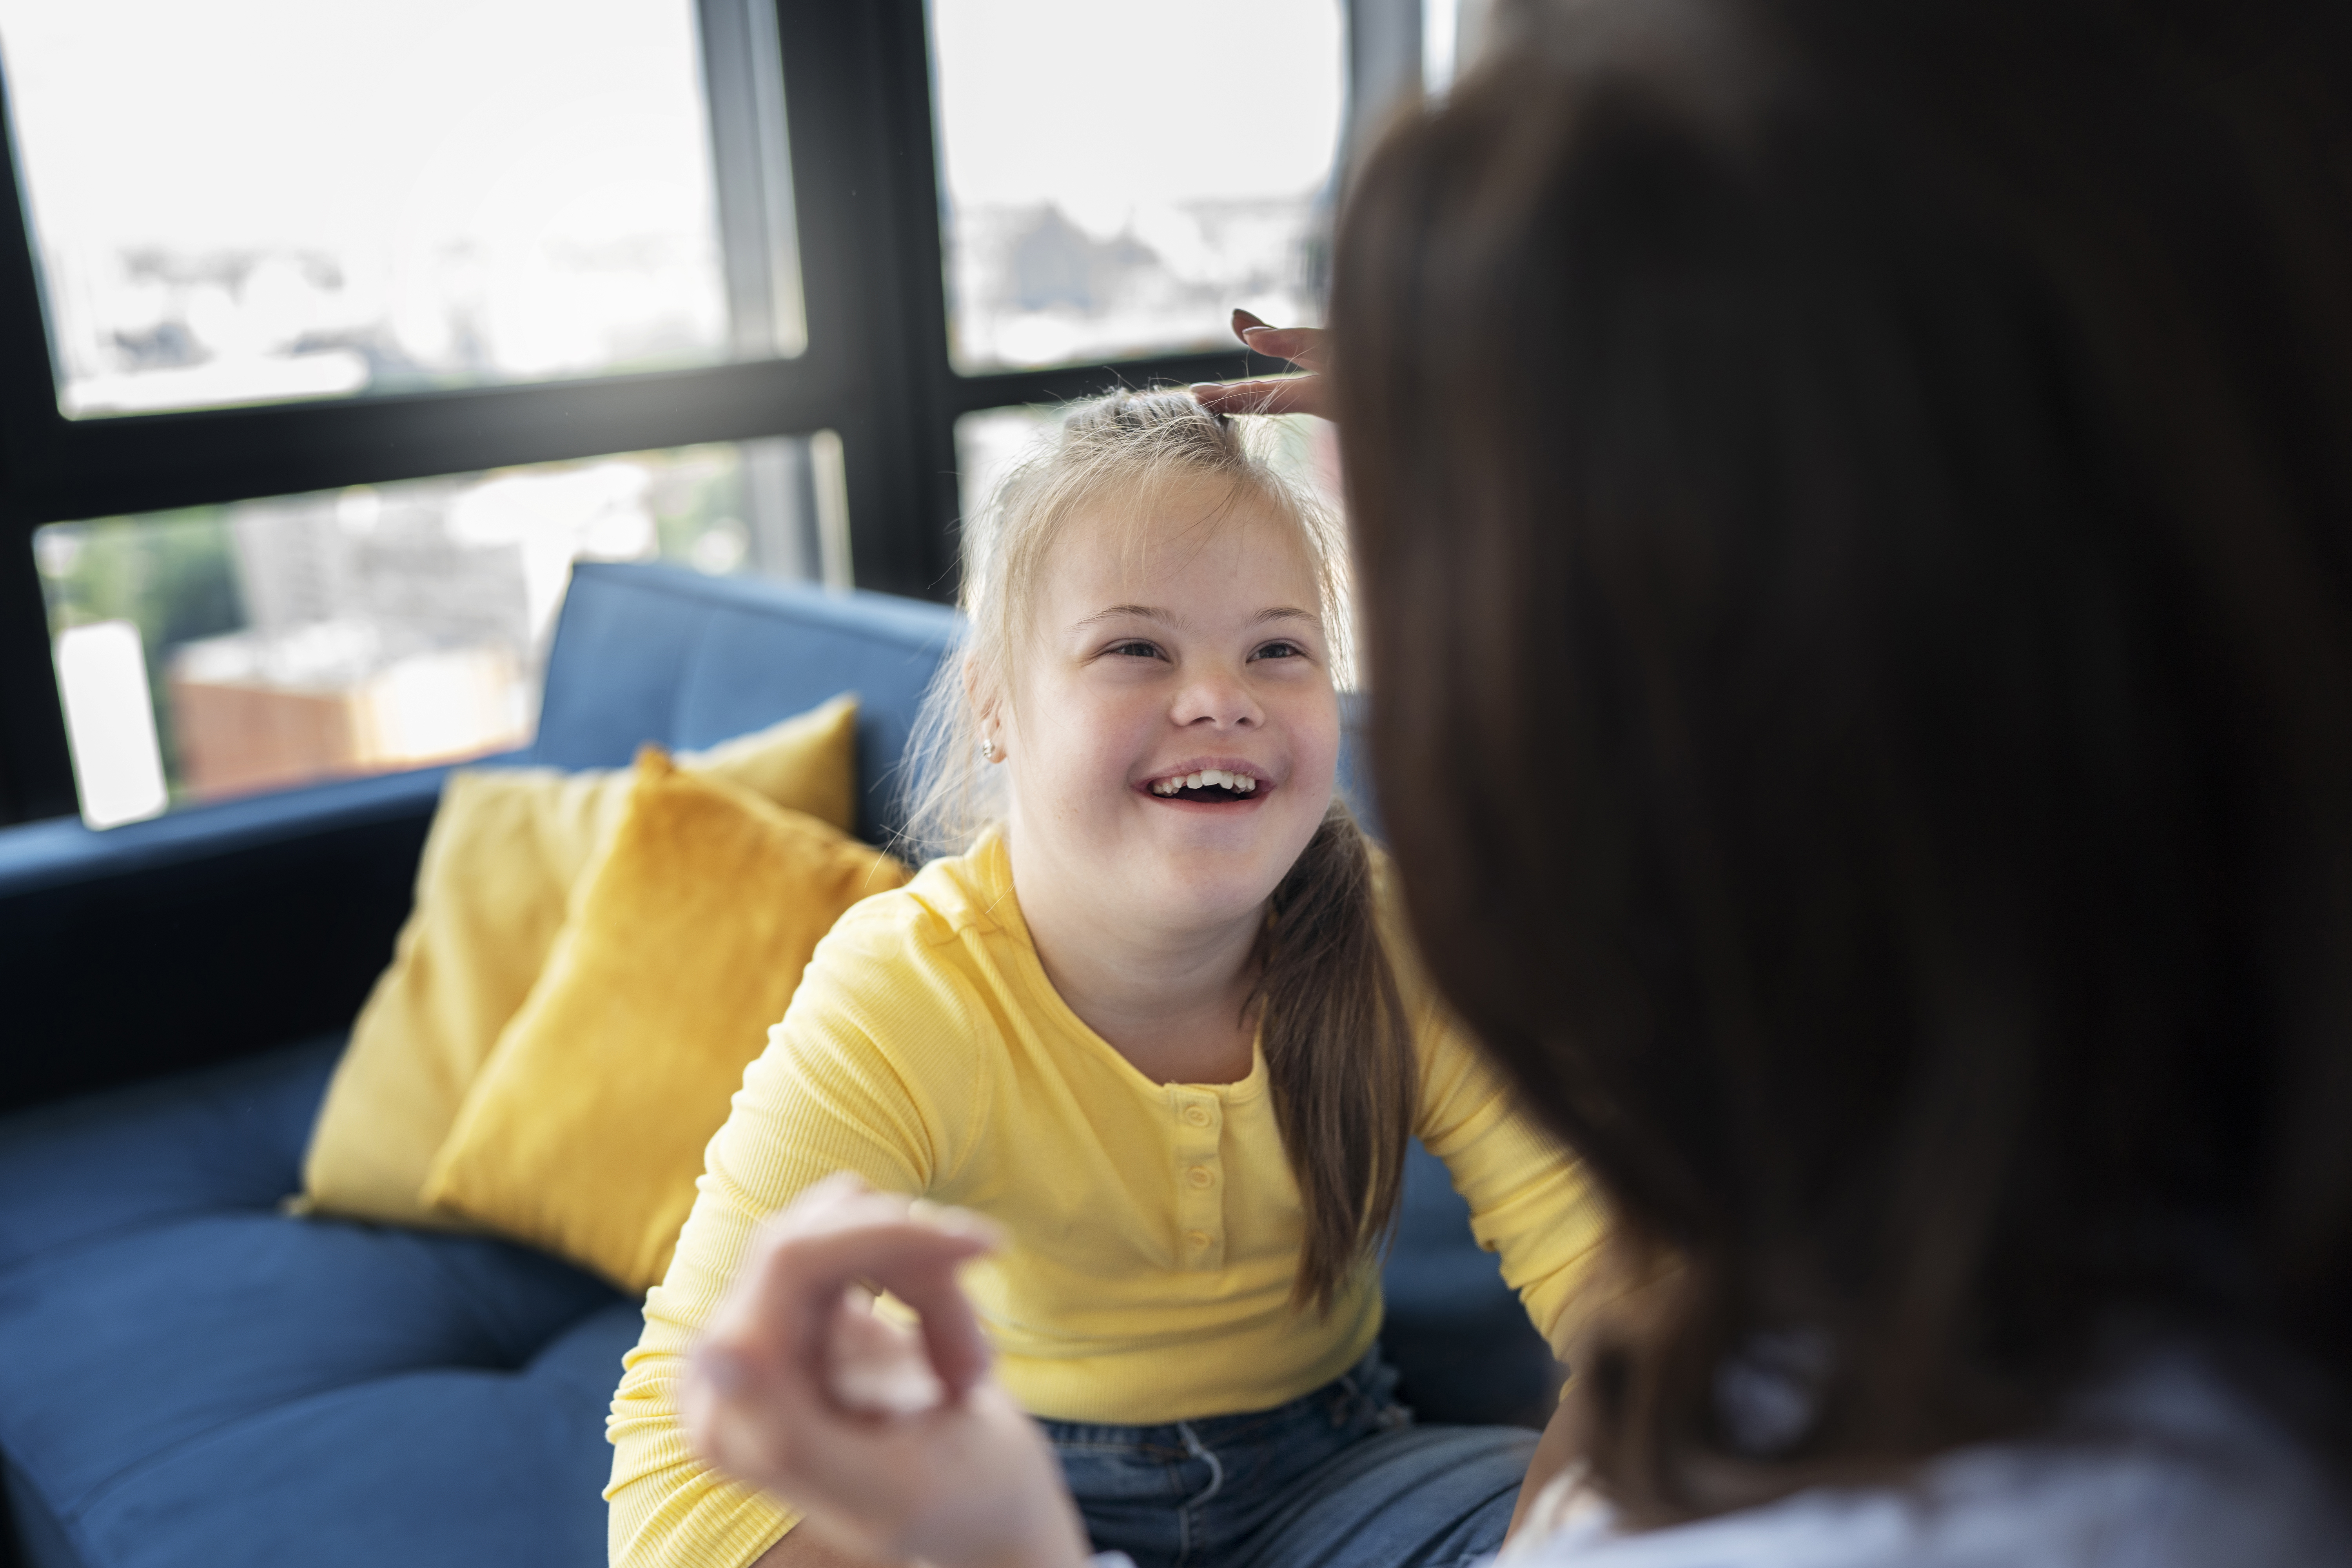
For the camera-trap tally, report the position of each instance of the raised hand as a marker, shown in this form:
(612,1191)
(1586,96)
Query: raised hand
(892,1444)
(1302,346)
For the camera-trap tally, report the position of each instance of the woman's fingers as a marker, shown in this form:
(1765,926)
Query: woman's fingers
(1272,395)
(1305,347)
(895,1444)
(782,1309)
(877,1368)
(1302,346)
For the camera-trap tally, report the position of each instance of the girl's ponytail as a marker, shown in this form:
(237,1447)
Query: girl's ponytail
(1339,1053)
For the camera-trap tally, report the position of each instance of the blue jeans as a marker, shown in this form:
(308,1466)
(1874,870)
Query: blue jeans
(1338,1478)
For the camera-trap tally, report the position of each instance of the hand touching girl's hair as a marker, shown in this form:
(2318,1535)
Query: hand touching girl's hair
(1304,394)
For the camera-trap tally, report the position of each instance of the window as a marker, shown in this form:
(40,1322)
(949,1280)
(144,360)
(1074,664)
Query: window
(219,650)
(1114,179)
(375,290)
(369,196)
(1452,33)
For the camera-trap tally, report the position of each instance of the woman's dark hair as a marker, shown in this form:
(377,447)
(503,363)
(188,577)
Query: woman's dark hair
(1854,512)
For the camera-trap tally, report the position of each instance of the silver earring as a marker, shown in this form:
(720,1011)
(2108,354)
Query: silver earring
(987,750)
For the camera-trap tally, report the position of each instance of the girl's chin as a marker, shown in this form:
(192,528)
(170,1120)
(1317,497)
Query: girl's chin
(1210,904)
(1247,831)
(1213,871)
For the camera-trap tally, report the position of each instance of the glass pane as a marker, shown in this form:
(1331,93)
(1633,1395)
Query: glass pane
(245,201)
(219,650)
(1454,34)
(1114,179)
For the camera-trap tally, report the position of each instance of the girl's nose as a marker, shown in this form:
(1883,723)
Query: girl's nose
(1217,697)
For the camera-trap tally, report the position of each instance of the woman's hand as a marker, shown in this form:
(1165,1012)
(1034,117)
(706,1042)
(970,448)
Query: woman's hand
(1302,346)
(892,1446)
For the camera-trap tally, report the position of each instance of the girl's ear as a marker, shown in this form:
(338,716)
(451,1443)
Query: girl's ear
(983,711)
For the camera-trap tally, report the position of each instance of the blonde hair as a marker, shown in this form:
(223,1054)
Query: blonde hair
(1126,449)
(1338,1050)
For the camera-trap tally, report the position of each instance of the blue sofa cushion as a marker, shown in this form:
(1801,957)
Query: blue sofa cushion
(179,1341)
(1461,1342)
(652,653)
(439,1467)
(172,1148)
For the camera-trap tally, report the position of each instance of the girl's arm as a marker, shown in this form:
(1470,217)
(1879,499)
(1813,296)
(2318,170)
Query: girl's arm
(829,1094)
(805,1549)
(1530,1200)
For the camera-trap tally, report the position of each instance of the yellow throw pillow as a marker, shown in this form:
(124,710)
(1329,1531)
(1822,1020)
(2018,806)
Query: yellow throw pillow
(584,1134)
(507,848)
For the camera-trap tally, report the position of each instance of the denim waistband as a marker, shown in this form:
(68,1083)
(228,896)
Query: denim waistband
(1369,1381)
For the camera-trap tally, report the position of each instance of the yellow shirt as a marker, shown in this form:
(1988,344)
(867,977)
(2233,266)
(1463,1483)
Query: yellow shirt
(1154,1228)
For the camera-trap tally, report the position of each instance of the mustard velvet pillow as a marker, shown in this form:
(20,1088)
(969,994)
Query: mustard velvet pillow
(507,848)
(584,1134)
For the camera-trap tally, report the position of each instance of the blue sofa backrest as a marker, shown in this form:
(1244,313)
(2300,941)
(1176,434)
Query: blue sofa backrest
(653,653)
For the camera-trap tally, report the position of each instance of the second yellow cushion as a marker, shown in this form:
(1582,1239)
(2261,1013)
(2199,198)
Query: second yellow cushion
(584,1134)
(507,848)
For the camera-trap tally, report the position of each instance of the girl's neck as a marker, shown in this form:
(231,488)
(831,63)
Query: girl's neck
(1169,999)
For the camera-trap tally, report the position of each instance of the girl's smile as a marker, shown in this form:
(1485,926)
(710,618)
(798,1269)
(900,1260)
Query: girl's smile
(1217,782)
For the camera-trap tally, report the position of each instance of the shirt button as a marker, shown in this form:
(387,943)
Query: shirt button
(1199,1176)
(1196,1238)
(1198,1115)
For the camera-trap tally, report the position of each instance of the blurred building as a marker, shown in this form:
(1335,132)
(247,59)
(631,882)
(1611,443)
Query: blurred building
(392,627)
(1034,286)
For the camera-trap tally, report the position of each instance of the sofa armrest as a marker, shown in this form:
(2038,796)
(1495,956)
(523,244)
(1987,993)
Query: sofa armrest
(209,933)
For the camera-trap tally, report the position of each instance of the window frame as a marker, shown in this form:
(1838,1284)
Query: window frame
(857,106)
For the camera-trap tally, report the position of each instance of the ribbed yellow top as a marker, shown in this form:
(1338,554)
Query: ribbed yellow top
(1154,1227)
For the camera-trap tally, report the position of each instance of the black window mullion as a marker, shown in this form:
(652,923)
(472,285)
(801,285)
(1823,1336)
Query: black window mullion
(36,770)
(104,466)
(858,99)
(998,389)
(923,280)
(59,468)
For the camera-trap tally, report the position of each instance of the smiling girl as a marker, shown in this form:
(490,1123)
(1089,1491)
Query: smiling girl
(1150,1017)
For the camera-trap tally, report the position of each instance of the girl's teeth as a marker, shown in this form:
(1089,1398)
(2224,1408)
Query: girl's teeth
(1240,784)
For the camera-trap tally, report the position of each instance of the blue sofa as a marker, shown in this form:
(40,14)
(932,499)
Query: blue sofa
(188,1376)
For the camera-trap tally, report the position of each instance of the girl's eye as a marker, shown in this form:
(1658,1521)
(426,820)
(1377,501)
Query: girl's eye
(1281,650)
(1133,650)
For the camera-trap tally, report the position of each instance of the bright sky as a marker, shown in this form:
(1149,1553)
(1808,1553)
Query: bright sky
(342,123)
(1122,102)
(339,122)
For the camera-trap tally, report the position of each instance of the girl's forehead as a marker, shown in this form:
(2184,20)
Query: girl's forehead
(1196,529)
